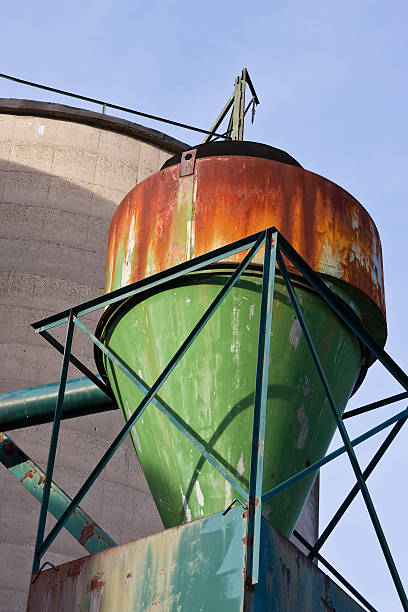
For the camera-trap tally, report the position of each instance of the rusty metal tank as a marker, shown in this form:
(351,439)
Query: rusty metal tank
(200,200)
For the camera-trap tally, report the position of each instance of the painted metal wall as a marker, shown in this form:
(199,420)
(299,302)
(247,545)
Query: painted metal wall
(196,567)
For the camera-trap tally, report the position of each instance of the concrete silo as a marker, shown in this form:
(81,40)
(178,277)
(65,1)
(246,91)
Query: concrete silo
(63,171)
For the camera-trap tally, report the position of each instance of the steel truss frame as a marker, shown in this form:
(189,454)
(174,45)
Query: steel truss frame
(275,248)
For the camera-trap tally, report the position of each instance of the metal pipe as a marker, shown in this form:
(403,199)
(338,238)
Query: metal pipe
(36,405)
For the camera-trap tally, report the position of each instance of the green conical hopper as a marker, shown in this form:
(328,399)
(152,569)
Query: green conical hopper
(170,218)
(212,390)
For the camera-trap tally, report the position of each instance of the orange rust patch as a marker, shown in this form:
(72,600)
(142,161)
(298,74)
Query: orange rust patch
(96,583)
(86,533)
(75,568)
(29,474)
(325,224)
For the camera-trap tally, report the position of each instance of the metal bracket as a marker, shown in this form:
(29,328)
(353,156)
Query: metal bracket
(236,102)
(234,501)
(187,164)
(54,567)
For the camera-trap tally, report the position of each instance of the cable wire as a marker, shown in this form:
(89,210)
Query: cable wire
(114,106)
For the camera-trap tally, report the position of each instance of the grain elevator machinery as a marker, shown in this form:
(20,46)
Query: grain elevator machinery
(244,303)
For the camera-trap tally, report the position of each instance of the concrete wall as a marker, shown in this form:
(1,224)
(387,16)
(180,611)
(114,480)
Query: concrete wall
(60,181)
(62,173)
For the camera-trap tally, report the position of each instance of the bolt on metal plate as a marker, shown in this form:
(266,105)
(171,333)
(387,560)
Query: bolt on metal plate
(187,163)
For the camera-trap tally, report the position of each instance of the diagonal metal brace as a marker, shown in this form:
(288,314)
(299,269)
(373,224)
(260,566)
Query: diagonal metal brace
(80,525)
(343,431)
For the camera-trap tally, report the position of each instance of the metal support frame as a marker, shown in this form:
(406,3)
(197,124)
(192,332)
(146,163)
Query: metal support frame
(344,435)
(53,444)
(335,573)
(355,490)
(260,401)
(236,103)
(275,248)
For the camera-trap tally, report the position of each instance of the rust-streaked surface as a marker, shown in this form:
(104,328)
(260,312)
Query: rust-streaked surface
(191,568)
(195,568)
(167,219)
(290,582)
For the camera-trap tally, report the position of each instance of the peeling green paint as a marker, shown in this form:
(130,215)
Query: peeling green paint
(212,390)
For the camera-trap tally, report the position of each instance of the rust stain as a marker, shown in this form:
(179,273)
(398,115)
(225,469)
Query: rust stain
(327,602)
(248,540)
(75,568)
(86,533)
(270,573)
(285,571)
(96,583)
(173,222)
(28,474)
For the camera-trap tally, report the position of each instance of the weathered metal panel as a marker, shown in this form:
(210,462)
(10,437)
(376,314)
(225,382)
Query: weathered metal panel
(290,582)
(212,391)
(197,567)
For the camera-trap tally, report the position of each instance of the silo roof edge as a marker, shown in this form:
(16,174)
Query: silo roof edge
(100,120)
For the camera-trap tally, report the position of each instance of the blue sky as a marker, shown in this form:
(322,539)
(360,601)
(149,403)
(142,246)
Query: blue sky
(332,82)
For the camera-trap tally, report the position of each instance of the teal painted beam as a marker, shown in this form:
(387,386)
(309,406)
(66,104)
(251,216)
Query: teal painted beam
(80,525)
